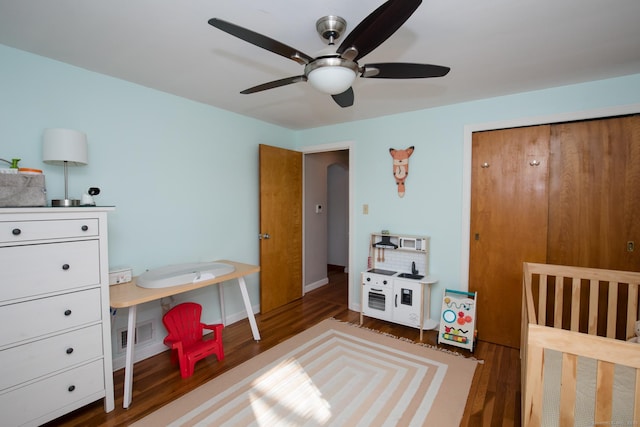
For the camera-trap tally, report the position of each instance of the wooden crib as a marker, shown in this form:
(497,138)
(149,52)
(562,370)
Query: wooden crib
(579,317)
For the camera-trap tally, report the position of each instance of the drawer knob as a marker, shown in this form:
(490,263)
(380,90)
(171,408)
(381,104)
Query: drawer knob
(67,312)
(65,266)
(85,227)
(16,231)
(70,350)
(71,388)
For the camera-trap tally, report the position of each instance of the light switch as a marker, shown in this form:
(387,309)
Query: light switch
(318,209)
(365,209)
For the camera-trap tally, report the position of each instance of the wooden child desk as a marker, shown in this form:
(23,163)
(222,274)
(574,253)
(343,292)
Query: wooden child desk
(129,295)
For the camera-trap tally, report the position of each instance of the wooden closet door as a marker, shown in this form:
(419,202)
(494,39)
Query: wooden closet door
(509,205)
(595,190)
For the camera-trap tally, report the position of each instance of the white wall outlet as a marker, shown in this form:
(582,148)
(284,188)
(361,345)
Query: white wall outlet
(120,275)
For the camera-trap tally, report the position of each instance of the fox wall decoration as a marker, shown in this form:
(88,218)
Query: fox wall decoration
(401,167)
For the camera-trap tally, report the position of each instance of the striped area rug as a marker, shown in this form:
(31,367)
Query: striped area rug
(333,374)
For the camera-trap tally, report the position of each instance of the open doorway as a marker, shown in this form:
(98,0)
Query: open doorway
(338,214)
(327,219)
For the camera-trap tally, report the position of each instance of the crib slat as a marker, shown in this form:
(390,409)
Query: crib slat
(568,390)
(612,310)
(534,386)
(632,310)
(636,405)
(593,306)
(557,318)
(604,392)
(575,304)
(542,300)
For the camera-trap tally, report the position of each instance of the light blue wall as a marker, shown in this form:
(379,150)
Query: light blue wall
(183,175)
(433,203)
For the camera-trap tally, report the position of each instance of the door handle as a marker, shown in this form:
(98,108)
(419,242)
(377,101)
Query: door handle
(264,236)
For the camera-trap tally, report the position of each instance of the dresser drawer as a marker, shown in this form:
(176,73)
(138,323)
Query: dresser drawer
(25,231)
(35,318)
(32,270)
(30,361)
(65,390)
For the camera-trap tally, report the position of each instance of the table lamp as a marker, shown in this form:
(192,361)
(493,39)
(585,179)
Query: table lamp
(65,147)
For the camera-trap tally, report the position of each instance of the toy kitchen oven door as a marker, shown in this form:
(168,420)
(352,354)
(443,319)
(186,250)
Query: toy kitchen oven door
(458,319)
(377,293)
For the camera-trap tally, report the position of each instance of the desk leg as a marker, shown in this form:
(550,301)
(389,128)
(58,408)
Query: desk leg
(128,367)
(223,314)
(247,306)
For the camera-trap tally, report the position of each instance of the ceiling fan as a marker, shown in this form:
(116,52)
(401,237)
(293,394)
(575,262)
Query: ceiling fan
(333,71)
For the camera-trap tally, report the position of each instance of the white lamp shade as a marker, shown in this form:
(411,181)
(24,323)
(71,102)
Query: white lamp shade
(64,145)
(332,80)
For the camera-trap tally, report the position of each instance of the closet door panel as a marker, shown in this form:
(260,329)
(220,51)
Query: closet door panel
(595,194)
(508,224)
(595,191)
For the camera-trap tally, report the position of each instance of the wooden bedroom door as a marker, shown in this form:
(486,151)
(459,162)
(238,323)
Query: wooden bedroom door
(508,224)
(281,219)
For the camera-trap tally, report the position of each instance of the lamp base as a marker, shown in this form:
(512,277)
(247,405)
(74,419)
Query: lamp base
(64,203)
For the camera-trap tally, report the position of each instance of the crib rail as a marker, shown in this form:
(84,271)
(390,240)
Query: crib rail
(571,326)
(559,277)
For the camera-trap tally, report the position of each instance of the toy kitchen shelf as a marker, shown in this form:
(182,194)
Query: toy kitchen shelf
(397,286)
(398,251)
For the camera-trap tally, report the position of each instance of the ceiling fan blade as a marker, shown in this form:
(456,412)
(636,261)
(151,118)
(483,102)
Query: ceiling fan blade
(261,41)
(344,99)
(274,84)
(403,70)
(376,28)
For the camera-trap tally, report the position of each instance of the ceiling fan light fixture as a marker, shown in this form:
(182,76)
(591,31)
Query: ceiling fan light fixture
(333,70)
(331,75)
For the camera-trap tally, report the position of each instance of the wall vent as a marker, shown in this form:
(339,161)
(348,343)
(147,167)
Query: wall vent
(144,333)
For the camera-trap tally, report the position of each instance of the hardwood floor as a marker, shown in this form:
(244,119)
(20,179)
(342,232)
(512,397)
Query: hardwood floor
(494,398)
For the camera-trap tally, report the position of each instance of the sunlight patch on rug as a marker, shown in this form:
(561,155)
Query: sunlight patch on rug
(330,375)
(287,389)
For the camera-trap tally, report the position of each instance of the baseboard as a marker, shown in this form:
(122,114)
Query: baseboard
(141,353)
(315,285)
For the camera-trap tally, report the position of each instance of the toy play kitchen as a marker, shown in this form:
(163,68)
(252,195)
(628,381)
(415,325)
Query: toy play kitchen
(397,286)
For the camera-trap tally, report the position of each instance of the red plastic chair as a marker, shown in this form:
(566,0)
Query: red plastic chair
(185,337)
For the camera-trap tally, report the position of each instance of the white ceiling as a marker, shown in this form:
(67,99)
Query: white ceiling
(494,47)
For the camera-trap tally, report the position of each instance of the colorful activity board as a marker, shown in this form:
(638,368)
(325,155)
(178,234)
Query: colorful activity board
(458,322)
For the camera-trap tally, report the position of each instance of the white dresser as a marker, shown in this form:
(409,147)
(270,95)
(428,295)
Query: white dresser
(55,333)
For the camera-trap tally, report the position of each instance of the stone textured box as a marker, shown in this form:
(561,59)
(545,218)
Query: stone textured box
(22,190)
